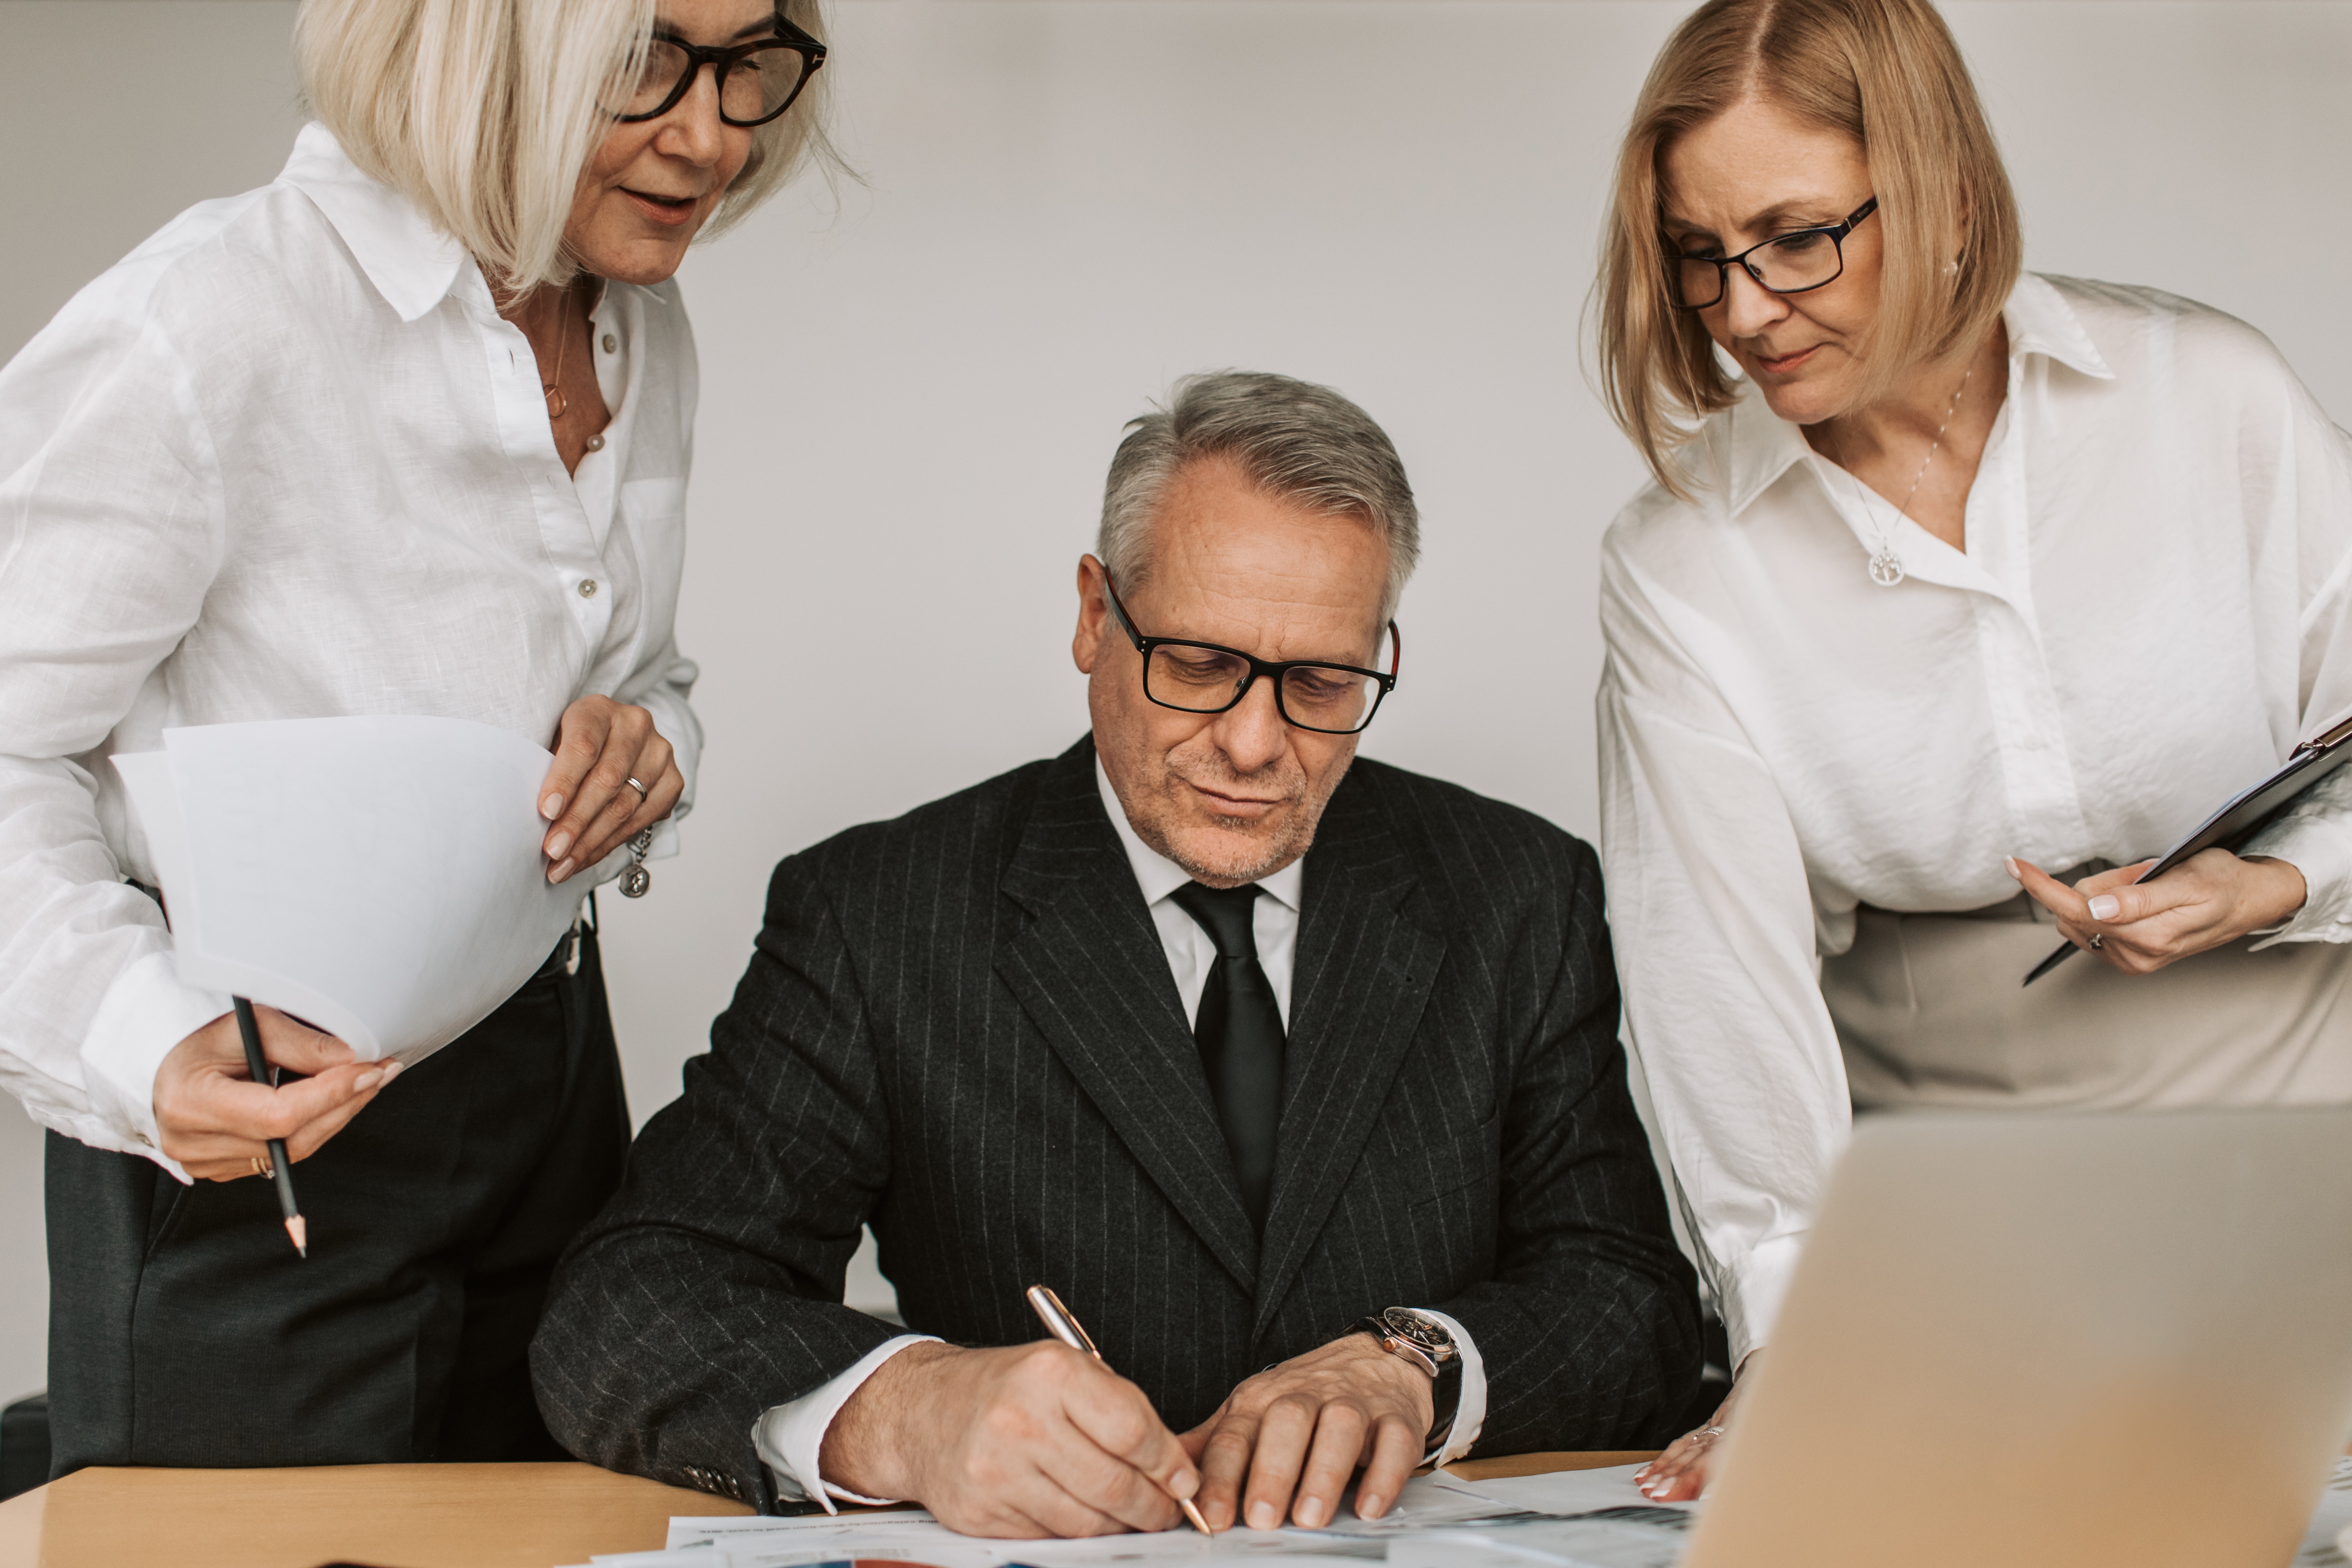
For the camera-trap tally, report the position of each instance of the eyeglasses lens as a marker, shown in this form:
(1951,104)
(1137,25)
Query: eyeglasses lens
(762,82)
(1788,266)
(1203,680)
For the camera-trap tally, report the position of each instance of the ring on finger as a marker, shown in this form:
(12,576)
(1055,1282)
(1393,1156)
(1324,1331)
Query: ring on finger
(644,793)
(2098,940)
(261,1165)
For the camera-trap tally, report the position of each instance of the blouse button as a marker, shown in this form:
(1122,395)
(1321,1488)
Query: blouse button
(587,587)
(595,443)
(612,344)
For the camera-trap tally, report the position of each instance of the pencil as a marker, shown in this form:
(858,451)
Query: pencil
(281,1169)
(1066,1328)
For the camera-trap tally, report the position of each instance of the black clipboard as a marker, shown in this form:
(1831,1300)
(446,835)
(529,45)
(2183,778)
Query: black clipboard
(2243,815)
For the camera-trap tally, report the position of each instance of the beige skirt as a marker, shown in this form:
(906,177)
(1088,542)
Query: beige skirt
(1930,1012)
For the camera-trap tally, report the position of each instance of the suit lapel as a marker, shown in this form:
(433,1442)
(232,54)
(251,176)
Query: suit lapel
(1088,969)
(1362,976)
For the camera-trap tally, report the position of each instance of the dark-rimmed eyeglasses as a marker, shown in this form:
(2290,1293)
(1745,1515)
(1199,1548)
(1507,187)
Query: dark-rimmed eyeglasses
(1205,678)
(757,81)
(1785,264)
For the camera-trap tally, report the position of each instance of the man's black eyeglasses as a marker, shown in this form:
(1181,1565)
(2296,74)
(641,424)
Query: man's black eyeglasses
(1785,264)
(1205,678)
(757,81)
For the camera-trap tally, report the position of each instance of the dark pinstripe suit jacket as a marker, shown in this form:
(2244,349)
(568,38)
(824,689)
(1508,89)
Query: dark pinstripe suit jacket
(960,1026)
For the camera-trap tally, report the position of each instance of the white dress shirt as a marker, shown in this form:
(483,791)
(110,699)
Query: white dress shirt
(790,1435)
(286,460)
(2155,604)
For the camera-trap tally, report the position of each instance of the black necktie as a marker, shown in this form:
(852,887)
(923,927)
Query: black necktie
(1239,1031)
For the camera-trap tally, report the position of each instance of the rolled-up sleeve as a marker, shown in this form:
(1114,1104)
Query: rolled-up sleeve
(1713,923)
(111,530)
(2299,474)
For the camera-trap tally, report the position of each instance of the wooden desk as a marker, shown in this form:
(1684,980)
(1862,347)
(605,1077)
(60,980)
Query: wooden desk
(393,1516)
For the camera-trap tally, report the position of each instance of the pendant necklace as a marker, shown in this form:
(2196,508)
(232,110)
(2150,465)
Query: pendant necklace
(1885,566)
(556,402)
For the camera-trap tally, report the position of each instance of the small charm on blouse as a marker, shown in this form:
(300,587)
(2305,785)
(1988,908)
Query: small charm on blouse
(636,879)
(1886,568)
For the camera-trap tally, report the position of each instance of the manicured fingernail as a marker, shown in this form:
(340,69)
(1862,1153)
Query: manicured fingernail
(1261,1516)
(2107,907)
(558,845)
(1310,1513)
(2010,861)
(552,808)
(1370,1507)
(1184,1484)
(560,872)
(393,1070)
(367,1081)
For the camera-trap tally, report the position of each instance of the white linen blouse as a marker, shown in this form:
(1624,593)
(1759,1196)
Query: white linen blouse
(2153,607)
(286,460)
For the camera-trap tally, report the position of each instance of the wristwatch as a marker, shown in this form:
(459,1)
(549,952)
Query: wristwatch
(1421,1338)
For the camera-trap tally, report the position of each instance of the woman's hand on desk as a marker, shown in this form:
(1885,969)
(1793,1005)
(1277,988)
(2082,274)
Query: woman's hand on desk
(216,1121)
(600,746)
(2204,903)
(1680,1474)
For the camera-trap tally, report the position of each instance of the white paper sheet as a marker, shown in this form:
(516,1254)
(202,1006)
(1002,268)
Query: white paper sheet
(378,876)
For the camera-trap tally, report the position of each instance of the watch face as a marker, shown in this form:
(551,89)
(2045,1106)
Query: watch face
(1414,1329)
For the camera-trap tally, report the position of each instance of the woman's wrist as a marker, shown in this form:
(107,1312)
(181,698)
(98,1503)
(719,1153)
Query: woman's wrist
(2278,893)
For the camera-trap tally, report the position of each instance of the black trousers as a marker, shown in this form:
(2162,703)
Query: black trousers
(184,1331)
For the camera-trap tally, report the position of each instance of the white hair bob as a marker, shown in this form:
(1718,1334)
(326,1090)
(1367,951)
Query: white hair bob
(484,113)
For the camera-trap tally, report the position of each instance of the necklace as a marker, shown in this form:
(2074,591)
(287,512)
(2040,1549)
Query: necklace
(556,402)
(1885,566)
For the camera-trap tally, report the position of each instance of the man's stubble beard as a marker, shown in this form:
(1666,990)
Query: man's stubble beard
(1266,856)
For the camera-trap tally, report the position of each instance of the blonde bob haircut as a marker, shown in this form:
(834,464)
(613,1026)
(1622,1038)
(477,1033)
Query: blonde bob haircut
(1885,73)
(483,113)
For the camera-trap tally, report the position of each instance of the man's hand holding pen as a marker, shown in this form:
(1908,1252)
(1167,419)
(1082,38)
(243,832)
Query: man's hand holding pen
(1022,1441)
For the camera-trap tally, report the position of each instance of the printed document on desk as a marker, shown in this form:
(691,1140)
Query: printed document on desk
(379,877)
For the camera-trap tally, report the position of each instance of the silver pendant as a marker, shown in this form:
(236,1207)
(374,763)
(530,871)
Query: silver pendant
(1885,567)
(635,881)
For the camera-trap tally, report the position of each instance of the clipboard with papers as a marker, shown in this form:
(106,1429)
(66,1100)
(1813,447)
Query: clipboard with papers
(2244,815)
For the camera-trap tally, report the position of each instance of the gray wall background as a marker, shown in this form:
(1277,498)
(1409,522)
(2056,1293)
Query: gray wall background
(910,393)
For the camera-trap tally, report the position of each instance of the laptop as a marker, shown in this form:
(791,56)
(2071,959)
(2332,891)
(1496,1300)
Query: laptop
(2029,1339)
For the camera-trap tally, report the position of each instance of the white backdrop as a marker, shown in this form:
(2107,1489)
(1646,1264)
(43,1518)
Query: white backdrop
(908,397)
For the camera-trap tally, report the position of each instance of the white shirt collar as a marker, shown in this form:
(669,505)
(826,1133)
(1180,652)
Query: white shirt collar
(412,264)
(1159,875)
(1762,445)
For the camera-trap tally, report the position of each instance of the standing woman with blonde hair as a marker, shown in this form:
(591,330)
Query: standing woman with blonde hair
(1970,591)
(404,432)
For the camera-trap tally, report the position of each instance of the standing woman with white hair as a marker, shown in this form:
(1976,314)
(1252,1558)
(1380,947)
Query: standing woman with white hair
(404,432)
(1966,573)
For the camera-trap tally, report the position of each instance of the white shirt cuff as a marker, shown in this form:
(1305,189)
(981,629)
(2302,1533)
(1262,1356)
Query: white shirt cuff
(144,1013)
(1753,1297)
(790,1436)
(1470,1414)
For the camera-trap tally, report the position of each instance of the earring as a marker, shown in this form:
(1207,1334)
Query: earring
(1952,267)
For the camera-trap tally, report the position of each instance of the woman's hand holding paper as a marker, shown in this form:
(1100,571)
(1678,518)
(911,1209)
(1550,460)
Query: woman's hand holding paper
(216,1121)
(600,746)
(2206,902)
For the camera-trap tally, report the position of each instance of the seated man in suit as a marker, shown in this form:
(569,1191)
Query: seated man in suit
(1300,1081)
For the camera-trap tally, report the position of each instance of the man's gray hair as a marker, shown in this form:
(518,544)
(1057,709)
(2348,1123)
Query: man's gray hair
(1296,442)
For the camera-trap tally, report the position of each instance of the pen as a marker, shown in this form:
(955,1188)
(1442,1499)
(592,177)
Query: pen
(280,1167)
(1065,1328)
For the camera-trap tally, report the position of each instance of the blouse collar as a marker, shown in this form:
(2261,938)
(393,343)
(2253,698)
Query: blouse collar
(1762,445)
(412,264)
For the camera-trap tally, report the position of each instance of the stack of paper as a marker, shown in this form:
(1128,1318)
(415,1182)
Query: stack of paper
(378,877)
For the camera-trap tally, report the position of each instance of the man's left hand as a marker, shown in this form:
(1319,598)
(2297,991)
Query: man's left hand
(1286,1441)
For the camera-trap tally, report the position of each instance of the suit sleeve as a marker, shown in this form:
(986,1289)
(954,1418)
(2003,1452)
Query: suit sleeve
(710,1289)
(1588,1326)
